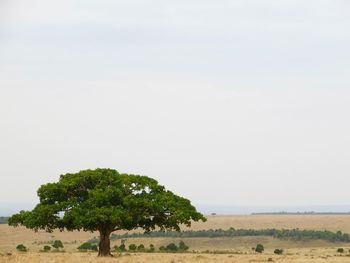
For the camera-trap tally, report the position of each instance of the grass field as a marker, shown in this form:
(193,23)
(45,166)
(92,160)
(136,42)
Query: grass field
(239,247)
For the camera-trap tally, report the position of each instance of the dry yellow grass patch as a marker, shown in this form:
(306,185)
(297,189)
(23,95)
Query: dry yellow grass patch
(168,258)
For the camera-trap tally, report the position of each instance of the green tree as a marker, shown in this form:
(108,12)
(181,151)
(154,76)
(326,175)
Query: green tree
(104,200)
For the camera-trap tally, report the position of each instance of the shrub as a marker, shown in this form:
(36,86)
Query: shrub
(132,247)
(122,248)
(259,248)
(151,248)
(278,251)
(270,260)
(340,250)
(171,248)
(57,244)
(21,248)
(182,246)
(162,248)
(141,248)
(46,248)
(88,246)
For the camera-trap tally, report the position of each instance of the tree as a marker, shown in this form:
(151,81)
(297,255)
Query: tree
(104,200)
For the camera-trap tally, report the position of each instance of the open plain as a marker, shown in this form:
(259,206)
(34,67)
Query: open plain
(206,249)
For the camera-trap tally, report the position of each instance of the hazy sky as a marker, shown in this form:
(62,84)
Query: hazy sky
(226,102)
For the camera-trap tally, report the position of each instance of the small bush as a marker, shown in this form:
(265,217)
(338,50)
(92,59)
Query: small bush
(151,248)
(21,248)
(270,260)
(57,244)
(46,248)
(162,248)
(278,251)
(259,248)
(122,248)
(340,250)
(171,248)
(87,246)
(141,248)
(132,247)
(183,247)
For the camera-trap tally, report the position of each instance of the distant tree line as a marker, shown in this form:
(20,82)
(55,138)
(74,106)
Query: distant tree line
(291,234)
(3,220)
(302,213)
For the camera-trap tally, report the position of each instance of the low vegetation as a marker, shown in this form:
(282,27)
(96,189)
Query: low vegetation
(87,246)
(278,251)
(259,248)
(21,248)
(290,234)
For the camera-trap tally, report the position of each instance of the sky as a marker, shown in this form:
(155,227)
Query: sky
(228,103)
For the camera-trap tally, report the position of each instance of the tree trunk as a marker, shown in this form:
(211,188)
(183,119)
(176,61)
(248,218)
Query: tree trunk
(104,247)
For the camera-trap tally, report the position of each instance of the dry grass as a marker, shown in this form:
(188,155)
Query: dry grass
(168,258)
(310,251)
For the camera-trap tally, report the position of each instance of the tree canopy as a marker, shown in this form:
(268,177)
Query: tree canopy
(105,200)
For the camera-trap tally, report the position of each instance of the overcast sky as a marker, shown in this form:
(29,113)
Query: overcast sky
(232,103)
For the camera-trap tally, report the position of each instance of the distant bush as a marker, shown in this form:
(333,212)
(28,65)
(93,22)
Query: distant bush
(151,248)
(141,248)
(278,251)
(162,248)
(87,246)
(340,250)
(132,247)
(290,234)
(183,247)
(171,248)
(46,248)
(21,248)
(57,244)
(259,248)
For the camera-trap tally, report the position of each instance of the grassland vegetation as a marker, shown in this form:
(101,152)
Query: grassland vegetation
(289,234)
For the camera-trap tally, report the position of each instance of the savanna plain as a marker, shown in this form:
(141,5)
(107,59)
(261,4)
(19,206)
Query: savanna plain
(201,249)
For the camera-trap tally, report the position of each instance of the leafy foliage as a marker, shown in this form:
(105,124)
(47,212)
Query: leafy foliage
(340,250)
(104,200)
(21,248)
